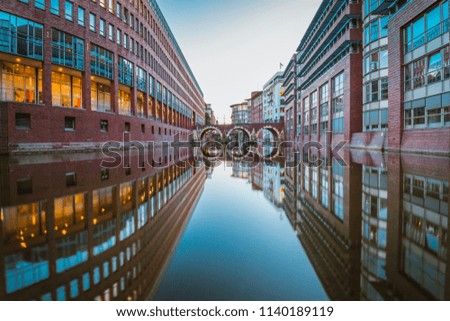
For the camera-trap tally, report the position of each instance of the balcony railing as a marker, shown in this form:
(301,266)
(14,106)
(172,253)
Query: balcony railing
(427,36)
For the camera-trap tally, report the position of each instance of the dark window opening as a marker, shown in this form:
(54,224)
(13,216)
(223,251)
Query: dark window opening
(23,121)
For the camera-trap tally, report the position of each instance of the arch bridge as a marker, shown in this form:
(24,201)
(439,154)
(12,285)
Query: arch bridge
(252,131)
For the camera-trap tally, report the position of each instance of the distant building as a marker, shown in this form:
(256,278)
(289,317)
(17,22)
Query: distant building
(239,113)
(256,112)
(273,102)
(210,118)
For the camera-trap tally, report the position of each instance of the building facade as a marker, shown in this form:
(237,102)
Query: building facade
(376,74)
(329,74)
(273,102)
(256,110)
(290,99)
(210,117)
(239,113)
(78,73)
(419,77)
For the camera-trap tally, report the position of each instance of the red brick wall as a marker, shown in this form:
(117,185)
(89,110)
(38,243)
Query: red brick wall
(47,121)
(426,140)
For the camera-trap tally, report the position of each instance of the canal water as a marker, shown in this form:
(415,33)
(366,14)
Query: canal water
(364,226)
(239,244)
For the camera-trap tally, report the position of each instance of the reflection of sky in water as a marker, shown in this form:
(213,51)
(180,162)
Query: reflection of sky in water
(238,246)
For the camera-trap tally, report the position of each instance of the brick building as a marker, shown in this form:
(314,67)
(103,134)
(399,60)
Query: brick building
(419,77)
(78,73)
(290,99)
(376,74)
(329,74)
(256,108)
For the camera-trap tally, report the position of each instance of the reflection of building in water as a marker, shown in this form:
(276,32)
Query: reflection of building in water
(329,225)
(74,231)
(418,260)
(273,183)
(257,176)
(240,170)
(374,235)
(290,191)
(405,223)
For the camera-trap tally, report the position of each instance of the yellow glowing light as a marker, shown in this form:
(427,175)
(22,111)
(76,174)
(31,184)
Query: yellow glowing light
(60,69)
(95,221)
(103,210)
(56,228)
(23,244)
(32,234)
(63,232)
(18,60)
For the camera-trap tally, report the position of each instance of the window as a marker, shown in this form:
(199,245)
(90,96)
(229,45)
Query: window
(119,36)
(66,90)
(104,126)
(384,89)
(100,97)
(23,121)
(140,104)
(20,83)
(384,59)
(92,22)
(81,16)
(71,179)
(338,103)
(68,10)
(427,28)
(102,27)
(69,124)
(111,6)
(141,79)
(447,62)
(119,10)
(102,3)
(102,62)
(54,7)
(67,50)
(314,115)
(40,4)
(384,26)
(21,36)
(124,101)
(434,68)
(126,75)
(24,186)
(127,127)
(111,32)
(419,73)
(306,115)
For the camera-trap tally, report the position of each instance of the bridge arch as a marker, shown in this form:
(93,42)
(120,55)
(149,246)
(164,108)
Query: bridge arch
(275,132)
(239,128)
(210,129)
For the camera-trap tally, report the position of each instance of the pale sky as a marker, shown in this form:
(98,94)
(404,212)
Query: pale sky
(235,46)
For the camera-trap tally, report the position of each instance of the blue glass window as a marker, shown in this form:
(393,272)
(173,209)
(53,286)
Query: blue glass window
(21,36)
(67,50)
(54,7)
(141,79)
(102,62)
(126,74)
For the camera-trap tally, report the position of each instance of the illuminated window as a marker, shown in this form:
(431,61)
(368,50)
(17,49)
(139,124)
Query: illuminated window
(124,101)
(66,90)
(100,97)
(19,83)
